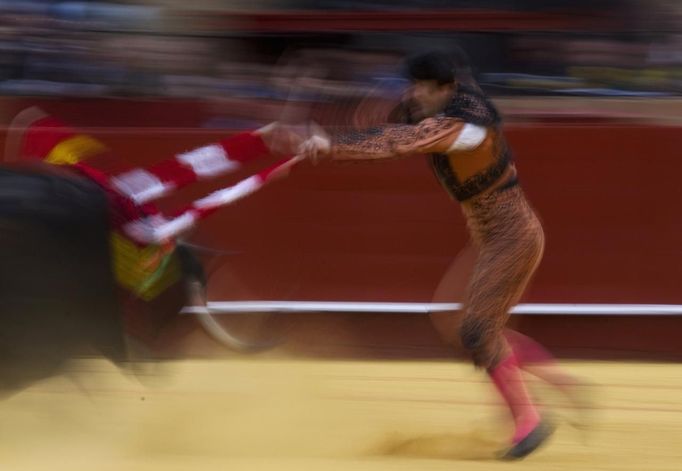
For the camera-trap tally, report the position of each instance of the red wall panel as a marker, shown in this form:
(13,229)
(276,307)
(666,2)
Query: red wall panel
(608,195)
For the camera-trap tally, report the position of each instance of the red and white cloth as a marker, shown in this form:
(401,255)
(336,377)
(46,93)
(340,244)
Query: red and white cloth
(158,228)
(133,189)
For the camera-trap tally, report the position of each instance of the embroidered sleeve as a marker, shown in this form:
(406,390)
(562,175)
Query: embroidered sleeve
(431,135)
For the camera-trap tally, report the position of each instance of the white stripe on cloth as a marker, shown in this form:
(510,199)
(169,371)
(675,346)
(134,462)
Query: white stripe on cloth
(155,229)
(208,161)
(140,185)
(158,228)
(229,194)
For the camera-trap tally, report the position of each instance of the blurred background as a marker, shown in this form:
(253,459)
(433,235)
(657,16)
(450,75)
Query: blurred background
(218,48)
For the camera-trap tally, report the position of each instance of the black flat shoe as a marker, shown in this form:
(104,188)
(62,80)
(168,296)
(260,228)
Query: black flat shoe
(534,440)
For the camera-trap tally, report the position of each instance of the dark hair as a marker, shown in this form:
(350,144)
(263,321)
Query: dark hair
(435,65)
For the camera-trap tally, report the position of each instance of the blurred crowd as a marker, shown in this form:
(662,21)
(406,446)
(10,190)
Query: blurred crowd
(205,48)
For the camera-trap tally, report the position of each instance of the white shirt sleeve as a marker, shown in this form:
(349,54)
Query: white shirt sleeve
(470,137)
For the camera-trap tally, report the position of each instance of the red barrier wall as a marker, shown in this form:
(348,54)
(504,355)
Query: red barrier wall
(608,195)
(385,231)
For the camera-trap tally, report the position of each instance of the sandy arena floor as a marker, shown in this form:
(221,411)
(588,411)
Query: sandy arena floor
(266,414)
